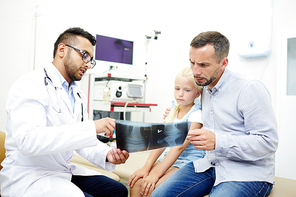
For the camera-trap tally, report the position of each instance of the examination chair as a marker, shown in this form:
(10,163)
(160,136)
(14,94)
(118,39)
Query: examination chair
(2,149)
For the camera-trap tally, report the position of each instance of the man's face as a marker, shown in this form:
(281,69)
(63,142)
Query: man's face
(74,65)
(205,68)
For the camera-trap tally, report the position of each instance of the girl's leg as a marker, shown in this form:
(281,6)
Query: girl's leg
(135,190)
(167,174)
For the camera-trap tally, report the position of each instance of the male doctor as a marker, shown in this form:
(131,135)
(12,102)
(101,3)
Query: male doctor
(47,120)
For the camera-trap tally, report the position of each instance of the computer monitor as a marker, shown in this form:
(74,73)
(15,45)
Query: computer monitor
(114,50)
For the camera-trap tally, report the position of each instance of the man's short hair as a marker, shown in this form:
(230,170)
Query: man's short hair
(70,37)
(219,41)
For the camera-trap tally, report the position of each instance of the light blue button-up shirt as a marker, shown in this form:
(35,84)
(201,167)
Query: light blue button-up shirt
(239,111)
(69,90)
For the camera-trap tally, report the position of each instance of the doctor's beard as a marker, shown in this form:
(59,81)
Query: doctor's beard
(73,70)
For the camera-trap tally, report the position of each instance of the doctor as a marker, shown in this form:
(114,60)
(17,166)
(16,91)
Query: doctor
(47,121)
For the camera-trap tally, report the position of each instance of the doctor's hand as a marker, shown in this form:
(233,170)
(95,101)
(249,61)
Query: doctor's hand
(116,156)
(202,139)
(105,125)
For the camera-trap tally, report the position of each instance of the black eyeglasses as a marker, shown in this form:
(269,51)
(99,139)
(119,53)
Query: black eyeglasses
(85,56)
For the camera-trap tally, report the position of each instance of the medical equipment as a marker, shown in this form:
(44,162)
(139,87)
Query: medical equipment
(124,91)
(54,103)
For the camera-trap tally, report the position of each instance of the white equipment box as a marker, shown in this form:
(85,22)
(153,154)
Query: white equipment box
(123,91)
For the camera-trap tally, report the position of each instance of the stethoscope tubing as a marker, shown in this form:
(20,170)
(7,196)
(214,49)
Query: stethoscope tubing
(48,79)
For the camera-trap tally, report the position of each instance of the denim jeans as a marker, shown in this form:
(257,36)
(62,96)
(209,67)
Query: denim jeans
(185,182)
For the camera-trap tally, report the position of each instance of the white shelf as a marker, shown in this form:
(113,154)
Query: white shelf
(120,106)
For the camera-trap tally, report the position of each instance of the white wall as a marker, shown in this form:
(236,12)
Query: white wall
(178,22)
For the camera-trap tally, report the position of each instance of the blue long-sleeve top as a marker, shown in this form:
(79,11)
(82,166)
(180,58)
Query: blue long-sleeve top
(239,111)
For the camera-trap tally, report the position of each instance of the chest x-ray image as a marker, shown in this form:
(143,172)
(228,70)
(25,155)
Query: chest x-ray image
(140,136)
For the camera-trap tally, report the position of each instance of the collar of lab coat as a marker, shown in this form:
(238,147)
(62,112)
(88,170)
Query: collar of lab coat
(52,73)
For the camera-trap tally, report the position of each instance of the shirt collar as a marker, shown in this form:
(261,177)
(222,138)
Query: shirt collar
(64,83)
(220,83)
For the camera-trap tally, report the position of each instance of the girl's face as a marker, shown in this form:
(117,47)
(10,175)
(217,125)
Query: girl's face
(185,91)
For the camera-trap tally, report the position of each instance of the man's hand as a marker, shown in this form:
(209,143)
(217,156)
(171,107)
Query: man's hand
(202,139)
(116,156)
(105,125)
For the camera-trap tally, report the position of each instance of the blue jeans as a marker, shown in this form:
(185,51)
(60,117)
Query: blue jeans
(99,185)
(185,182)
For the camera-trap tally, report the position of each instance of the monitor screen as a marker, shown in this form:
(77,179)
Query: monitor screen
(114,50)
(134,91)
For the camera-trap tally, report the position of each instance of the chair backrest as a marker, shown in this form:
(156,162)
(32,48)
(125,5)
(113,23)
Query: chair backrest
(2,148)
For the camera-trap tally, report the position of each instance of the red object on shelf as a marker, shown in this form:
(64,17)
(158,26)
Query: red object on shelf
(115,103)
(122,104)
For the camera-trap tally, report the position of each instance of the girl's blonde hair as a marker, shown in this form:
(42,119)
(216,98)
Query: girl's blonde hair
(185,72)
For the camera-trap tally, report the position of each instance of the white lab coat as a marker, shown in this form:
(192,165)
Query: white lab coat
(40,141)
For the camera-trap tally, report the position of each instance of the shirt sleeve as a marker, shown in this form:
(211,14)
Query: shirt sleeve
(260,130)
(195,116)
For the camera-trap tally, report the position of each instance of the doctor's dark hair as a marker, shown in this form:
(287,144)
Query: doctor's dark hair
(219,41)
(69,37)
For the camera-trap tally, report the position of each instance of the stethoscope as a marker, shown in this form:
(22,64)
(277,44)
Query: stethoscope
(55,105)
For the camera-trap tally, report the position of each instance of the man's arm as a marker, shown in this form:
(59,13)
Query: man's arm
(258,138)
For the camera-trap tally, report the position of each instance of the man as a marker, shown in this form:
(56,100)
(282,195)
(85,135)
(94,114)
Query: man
(239,131)
(47,120)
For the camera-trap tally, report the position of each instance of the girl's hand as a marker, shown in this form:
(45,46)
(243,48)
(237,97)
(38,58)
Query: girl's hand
(167,112)
(148,183)
(141,173)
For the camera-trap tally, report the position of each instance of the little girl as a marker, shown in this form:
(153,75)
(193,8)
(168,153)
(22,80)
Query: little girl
(153,173)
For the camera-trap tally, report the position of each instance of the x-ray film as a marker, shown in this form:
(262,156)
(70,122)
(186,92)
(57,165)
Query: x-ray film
(141,136)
